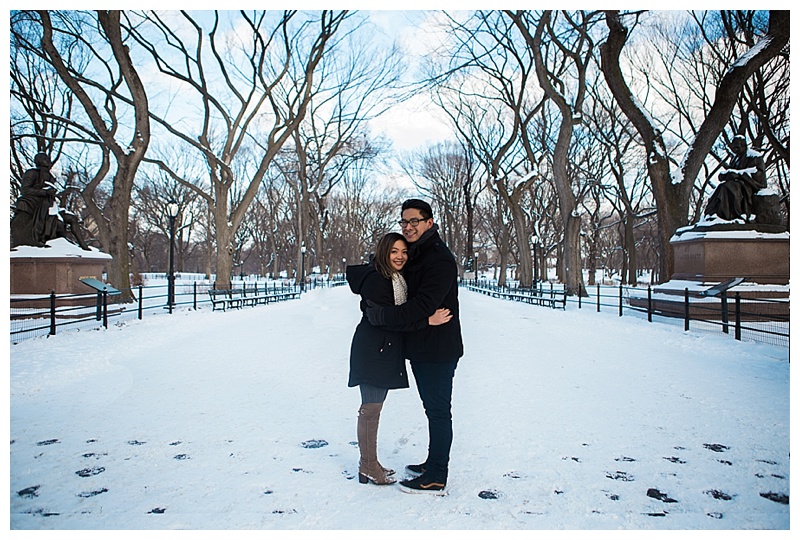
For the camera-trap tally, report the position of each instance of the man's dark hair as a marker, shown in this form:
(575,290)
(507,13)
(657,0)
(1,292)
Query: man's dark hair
(423,207)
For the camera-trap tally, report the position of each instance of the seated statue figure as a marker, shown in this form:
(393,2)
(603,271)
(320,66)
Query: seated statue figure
(742,178)
(37,217)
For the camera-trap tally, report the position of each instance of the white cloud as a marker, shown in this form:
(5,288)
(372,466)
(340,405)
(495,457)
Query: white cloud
(414,123)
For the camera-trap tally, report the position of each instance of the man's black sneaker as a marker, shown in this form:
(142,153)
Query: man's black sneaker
(422,484)
(416,469)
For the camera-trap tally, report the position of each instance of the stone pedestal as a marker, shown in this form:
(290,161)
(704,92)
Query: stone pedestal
(59,268)
(714,254)
(706,255)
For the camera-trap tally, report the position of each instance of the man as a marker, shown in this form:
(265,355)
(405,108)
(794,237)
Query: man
(432,277)
(739,182)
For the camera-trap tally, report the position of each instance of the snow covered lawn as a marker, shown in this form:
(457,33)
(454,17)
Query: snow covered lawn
(243,420)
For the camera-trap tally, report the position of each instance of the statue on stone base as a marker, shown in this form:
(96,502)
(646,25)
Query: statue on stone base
(742,178)
(37,216)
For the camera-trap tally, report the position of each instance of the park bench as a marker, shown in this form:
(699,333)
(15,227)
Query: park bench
(225,298)
(237,298)
(538,296)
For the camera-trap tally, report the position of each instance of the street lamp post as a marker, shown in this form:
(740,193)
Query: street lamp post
(303,267)
(172,213)
(535,261)
(344,265)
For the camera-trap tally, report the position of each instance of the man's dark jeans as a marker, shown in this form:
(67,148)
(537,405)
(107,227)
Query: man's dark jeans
(435,386)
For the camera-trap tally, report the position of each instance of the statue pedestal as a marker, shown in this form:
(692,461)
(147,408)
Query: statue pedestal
(39,271)
(717,253)
(706,255)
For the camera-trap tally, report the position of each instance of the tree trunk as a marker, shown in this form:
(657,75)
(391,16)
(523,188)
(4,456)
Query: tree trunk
(592,262)
(225,237)
(117,224)
(525,260)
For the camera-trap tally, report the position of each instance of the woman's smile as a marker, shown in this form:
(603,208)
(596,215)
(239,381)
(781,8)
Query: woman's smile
(398,257)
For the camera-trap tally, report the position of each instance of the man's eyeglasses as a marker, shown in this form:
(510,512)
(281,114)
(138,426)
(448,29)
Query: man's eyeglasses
(413,222)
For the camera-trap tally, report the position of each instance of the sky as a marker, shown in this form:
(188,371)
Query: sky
(242,420)
(417,122)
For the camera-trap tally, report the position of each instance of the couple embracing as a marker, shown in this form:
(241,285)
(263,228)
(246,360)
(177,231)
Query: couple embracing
(409,301)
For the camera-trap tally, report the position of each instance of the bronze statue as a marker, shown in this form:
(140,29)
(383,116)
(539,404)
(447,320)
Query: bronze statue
(37,216)
(742,178)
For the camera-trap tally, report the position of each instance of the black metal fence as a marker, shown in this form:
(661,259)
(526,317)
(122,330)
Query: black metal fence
(40,315)
(743,316)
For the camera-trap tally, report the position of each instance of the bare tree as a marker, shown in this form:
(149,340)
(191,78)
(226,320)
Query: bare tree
(356,81)
(488,92)
(362,212)
(562,49)
(250,85)
(41,103)
(108,95)
(627,189)
(446,174)
(153,191)
(672,191)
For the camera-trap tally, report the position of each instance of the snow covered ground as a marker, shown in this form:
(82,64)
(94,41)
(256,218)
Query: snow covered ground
(243,420)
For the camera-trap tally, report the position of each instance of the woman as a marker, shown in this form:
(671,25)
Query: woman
(377,363)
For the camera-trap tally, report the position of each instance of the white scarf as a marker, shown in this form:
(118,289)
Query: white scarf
(400,288)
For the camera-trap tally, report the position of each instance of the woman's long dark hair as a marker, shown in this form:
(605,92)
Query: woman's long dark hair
(382,252)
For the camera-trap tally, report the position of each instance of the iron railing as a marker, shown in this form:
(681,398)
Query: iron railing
(744,316)
(40,315)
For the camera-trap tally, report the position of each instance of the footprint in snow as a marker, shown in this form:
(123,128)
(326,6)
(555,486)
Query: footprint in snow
(716,447)
(781,498)
(653,493)
(719,495)
(314,443)
(29,492)
(620,475)
(48,442)
(88,494)
(42,512)
(92,471)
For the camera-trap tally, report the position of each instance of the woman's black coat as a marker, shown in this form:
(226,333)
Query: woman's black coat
(376,354)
